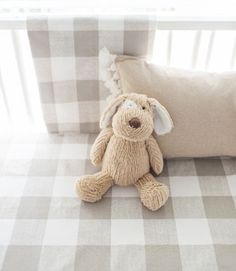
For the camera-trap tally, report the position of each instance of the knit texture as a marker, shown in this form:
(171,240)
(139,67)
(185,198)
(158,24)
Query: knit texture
(126,150)
(125,161)
(91,187)
(99,146)
(152,193)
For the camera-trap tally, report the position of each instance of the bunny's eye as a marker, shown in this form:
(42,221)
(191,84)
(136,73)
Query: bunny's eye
(143,107)
(129,104)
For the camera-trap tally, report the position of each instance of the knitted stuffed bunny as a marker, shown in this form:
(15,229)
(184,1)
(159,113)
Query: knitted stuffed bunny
(127,150)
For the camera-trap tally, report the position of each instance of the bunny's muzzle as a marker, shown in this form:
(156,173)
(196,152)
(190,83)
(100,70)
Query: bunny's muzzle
(135,123)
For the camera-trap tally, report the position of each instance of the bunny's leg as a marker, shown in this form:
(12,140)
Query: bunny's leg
(91,188)
(152,193)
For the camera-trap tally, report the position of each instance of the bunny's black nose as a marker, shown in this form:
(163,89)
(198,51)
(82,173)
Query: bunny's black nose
(135,123)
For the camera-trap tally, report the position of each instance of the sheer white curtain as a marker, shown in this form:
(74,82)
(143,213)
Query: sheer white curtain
(19,97)
(205,50)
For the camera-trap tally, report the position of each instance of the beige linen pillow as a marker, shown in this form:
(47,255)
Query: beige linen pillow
(201,104)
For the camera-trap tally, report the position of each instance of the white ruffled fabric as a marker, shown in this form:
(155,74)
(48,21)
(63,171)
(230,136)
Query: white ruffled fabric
(108,73)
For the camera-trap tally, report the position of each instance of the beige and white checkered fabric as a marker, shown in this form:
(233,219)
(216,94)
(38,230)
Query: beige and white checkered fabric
(44,226)
(65,52)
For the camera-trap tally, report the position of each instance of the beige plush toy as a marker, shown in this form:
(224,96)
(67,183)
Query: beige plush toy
(127,150)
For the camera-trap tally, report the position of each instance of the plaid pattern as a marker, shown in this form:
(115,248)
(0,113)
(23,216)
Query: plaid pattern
(44,226)
(65,52)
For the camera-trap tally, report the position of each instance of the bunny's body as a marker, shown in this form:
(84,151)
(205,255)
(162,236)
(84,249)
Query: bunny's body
(127,150)
(130,160)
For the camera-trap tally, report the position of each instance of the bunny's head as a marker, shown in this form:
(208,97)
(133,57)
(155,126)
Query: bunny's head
(135,116)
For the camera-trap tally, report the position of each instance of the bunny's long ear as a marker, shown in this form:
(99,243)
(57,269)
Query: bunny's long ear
(163,123)
(111,109)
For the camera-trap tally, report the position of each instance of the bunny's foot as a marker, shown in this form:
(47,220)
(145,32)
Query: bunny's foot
(91,188)
(152,193)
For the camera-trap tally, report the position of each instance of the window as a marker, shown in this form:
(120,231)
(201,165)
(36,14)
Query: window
(190,34)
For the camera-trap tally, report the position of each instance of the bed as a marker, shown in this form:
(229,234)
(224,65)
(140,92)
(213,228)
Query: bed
(44,225)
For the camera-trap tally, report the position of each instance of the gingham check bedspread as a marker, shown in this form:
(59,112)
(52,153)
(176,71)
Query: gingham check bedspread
(44,226)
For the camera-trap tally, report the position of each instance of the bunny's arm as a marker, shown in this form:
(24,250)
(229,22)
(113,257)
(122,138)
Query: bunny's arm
(155,155)
(99,146)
